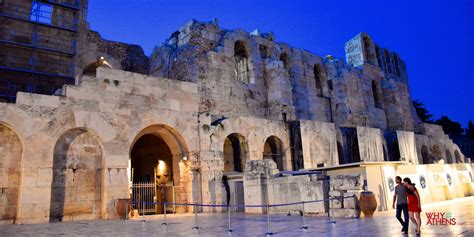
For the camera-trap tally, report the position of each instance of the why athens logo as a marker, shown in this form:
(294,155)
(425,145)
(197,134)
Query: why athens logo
(440,218)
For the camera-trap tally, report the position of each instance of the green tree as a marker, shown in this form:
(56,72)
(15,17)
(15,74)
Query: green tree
(422,111)
(449,126)
(470,130)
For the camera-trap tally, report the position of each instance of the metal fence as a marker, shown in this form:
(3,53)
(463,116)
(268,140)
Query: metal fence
(266,207)
(144,197)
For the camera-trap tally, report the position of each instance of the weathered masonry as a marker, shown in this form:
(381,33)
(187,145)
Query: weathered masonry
(214,112)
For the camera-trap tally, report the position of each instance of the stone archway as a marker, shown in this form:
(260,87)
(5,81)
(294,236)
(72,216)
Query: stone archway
(273,149)
(437,154)
(235,153)
(449,157)
(158,169)
(425,154)
(76,188)
(10,158)
(457,155)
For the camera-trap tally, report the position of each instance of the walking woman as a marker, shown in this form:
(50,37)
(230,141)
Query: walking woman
(414,204)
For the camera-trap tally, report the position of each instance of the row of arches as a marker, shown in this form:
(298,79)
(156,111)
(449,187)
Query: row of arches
(242,68)
(435,155)
(78,174)
(236,152)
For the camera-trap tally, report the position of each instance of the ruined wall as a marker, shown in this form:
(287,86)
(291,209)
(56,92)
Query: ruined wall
(130,57)
(436,147)
(280,79)
(115,108)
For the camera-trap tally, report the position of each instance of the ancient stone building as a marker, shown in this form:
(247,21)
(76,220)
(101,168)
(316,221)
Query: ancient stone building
(213,112)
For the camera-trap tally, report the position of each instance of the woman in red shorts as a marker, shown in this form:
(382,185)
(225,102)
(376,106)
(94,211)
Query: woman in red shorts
(414,204)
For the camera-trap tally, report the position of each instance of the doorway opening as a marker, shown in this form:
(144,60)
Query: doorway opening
(155,160)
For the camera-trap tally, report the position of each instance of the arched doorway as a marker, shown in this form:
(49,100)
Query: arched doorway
(425,154)
(437,154)
(273,149)
(449,157)
(77,173)
(10,157)
(157,161)
(457,155)
(235,153)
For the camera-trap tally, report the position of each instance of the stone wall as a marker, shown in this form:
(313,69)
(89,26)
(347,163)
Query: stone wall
(10,173)
(282,79)
(342,190)
(262,186)
(115,108)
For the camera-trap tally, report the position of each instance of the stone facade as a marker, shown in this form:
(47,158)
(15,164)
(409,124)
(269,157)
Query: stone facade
(219,104)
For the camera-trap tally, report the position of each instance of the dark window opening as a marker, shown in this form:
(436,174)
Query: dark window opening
(286,61)
(388,61)
(395,62)
(263,51)
(242,71)
(377,95)
(379,57)
(318,76)
(41,12)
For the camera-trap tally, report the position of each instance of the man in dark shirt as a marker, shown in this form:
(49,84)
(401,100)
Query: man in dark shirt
(400,197)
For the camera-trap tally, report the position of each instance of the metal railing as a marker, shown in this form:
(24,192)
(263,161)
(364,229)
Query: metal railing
(268,209)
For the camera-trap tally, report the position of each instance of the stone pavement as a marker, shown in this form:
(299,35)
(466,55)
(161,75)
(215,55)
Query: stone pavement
(383,224)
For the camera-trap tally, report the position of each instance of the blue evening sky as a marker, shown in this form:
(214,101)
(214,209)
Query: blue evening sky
(434,37)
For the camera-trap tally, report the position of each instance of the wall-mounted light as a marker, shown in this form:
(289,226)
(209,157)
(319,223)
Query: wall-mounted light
(185,158)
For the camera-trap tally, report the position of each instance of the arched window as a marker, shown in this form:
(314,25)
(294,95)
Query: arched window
(377,95)
(286,61)
(318,76)
(388,61)
(425,154)
(241,62)
(379,57)
(449,157)
(458,157)
(395,63)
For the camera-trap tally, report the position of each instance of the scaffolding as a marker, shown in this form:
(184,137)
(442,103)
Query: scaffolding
(38,42)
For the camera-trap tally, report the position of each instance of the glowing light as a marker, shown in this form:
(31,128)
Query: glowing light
(185,158)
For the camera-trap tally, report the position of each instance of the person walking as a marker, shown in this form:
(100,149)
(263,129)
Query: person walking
(225,181)
(414,204)
(400,198)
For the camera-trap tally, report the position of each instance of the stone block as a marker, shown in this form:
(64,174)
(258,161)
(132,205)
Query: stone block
(335,203)
(343,212)
(347,182)
(334,193)
(351,203)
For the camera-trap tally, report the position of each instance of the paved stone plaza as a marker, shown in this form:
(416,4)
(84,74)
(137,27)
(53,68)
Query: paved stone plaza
(383,224)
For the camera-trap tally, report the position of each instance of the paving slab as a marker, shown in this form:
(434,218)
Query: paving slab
(216,224)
